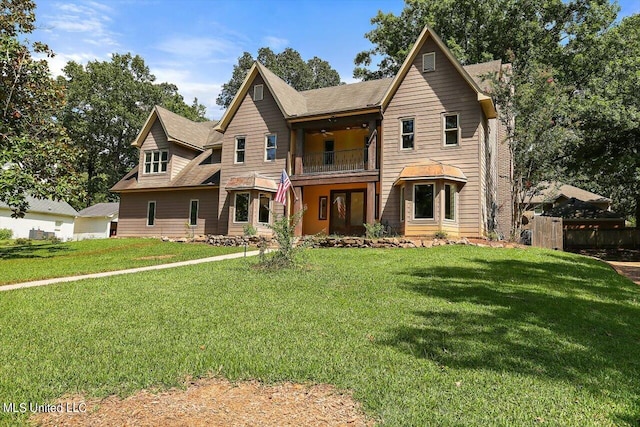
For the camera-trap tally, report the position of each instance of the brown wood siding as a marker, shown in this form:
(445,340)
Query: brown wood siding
(424,97)
(156,140)
(504,174)
(253,120)
(172,213)
(179,157)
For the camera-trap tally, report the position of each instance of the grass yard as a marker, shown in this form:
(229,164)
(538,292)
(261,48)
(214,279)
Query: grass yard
(45,260)
(444,336)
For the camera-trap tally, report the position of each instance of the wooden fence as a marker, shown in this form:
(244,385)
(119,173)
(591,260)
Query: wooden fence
(621,238)
(547,233)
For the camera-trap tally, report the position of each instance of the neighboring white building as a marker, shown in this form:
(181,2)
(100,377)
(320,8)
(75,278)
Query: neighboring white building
(43,215)
(99,221)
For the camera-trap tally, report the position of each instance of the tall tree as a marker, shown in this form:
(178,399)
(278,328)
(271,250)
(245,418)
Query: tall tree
(288,65)
(36,156)
(540,38)
(108,102)
(607,106)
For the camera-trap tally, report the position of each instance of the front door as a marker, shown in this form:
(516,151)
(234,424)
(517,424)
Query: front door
(347,212)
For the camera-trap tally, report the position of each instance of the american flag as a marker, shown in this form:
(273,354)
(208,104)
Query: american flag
(283,186)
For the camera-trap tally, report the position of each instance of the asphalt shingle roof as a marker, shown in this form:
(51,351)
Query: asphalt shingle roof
(47,206)
(100,209)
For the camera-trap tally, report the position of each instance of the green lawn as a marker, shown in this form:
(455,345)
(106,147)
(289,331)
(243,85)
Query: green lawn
(445,336)
(44,260)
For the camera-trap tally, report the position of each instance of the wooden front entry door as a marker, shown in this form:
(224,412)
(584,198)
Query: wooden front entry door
(347,215)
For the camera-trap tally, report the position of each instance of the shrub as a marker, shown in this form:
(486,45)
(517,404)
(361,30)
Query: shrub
(374,231)
(440,234)
(6,233)
(249,230)
(286,255)
(21,241)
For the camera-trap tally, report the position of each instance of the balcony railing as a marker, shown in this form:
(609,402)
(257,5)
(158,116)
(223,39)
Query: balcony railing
(335,161)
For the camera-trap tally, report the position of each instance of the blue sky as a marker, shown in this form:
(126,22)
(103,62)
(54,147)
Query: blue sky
(195,43)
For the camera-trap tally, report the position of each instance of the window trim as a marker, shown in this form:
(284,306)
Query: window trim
(425,55)
(191,212)
(454,199)
(323,203)
(235,207)
(255,92)
(268,196)
(444,129)
(403,205)
(433,198)
(274,148)
(402,134)
(151,162)
(155,211)
(236,150)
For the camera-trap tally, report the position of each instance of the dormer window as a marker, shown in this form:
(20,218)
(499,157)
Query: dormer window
(428,62)
(258,92)
(156,161)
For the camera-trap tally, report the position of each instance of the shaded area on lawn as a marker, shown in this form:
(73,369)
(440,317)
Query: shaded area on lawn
(572,321)
(31,251)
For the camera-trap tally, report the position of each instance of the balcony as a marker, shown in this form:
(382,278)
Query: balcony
(335,161)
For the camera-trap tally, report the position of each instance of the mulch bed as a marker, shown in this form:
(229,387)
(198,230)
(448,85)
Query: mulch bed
(218,402)
(627,255)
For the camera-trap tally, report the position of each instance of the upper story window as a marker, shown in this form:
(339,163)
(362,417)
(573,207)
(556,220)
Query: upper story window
(407,133)
(428,62)
(240,148)
(156,161)
(258,92)
(270,147)
(451,128)
(423,201)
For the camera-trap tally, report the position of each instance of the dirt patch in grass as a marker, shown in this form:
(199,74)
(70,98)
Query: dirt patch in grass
(143,258)
(216,402)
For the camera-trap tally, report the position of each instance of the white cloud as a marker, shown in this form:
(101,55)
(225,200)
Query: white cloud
(59,61)
(275,43)
(90,18)
(196,47)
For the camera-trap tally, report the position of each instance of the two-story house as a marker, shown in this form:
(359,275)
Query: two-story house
(419,152)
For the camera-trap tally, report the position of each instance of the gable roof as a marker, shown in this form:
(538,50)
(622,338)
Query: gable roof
(100,210)
(195,174)
(485,100)
(47,206)
(578,209)
(356,96)
(178,129)
(555,190)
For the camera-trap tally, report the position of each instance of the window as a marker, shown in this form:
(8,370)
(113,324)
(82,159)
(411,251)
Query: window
(264,213)
(428,62)
(450,202)
(242,207)
(322,208)
(402,204)
(258,92)
(156,161)
(423,201)
(240,147)
(270,148)
(407,134)
(151,214)
(451,129)
(193,212)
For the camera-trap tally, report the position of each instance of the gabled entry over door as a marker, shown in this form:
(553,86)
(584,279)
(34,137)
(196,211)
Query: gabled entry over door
(347,215)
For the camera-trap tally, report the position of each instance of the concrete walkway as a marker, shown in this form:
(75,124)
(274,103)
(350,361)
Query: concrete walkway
(628,269)
(128,271)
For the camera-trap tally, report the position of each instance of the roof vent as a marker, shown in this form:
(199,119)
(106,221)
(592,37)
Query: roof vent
(428,62)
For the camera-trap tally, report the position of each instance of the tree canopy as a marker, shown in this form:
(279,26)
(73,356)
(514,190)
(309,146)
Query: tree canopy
(36,156)
(288,65)
(571,94)
(107,104)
